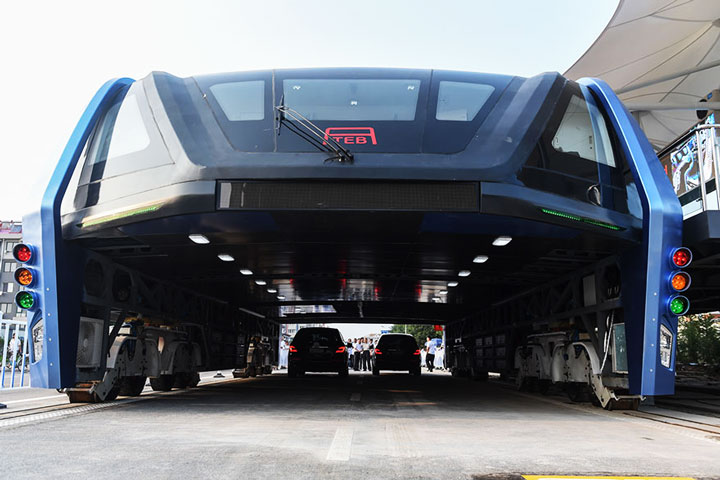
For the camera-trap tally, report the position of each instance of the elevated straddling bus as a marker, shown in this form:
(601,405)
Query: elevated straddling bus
(529,216)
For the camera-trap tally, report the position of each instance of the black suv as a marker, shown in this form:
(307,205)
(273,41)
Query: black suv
(317,349)
(396,351)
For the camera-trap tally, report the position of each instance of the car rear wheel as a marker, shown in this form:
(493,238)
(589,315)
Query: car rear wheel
(375,371)
(343,372)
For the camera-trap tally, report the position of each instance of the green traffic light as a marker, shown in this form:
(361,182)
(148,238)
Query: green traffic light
(25,300)
(679,305)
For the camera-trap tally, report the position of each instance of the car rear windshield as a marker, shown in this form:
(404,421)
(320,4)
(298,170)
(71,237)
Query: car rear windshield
(399,341)
(320,337)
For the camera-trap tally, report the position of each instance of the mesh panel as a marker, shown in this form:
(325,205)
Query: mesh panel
(425,196)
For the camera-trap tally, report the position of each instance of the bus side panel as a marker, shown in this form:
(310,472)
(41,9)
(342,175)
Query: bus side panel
(646,289)
(59,284)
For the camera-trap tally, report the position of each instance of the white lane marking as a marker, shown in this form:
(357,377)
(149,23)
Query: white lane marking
(355,397)
(341,445)
(35,399)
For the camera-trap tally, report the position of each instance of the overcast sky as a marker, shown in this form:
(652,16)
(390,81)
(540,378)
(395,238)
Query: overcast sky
(55,55)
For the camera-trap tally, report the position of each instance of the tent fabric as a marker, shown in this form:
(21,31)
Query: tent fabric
(651,39)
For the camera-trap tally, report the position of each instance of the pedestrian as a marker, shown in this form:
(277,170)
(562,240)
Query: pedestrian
(366,355)
(357,352)
(430,356)
(439,358)
(350,349)
(283,360)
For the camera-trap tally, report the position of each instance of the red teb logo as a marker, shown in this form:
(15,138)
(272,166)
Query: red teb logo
(351,135)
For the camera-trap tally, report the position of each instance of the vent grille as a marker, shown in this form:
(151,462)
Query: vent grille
(408,196)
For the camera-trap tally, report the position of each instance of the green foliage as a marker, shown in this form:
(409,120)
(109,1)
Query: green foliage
(420,332)
(699,340)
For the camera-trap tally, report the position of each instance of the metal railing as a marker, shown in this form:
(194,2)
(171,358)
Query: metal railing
(697,150)
(15,360)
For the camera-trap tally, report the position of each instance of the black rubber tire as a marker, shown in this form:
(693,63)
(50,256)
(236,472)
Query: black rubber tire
(292,372)
(132,386)
(344,372)
(182,380)
(194,380)
(417,372)
(112,394)
(577,392)
(543,386)
(375,371)
(250,371)
(163,383)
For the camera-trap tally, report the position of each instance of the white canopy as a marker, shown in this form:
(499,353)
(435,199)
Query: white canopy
(661,57)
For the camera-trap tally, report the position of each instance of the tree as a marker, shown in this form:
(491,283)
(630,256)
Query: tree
(420,332)
(699,340)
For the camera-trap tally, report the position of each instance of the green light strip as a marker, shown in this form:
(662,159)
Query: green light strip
(119,215)
(570,216)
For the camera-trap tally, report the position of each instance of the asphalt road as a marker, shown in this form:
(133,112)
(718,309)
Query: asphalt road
(322,426)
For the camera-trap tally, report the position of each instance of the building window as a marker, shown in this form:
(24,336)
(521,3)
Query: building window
(6,307)
(9,267)
(8,287)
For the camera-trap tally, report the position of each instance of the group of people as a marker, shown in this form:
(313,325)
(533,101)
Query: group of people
(359,353)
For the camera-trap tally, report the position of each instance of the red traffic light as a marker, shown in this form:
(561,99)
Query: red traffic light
(22,253)
(681,257)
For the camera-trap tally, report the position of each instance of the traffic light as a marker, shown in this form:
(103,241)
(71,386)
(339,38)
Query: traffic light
(25,276)
(679,281)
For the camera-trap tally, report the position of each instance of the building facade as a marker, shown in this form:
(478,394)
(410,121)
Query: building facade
(10,235)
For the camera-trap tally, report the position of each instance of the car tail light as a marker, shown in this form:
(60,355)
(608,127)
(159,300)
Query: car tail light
(417,352)
(378,352)
(340,350)
(293,349)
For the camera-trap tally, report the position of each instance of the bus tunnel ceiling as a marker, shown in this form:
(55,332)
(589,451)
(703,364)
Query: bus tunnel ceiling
(368,265)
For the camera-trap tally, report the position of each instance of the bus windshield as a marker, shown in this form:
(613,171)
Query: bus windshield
(353,99)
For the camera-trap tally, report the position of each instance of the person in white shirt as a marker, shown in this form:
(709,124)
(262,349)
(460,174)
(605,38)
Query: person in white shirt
(439,357)
(365,355)
(430,355)
(357,352)
(283,360)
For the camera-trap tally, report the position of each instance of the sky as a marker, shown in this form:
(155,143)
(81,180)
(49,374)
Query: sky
(55,55)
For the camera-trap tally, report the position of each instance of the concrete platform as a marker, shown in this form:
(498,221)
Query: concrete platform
(392,426)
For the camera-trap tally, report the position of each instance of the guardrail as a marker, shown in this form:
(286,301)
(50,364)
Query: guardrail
(691,163)
(15,361)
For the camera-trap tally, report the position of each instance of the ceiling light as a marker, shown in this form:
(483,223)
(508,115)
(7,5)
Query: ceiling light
(480,259)
(272,290)
(502,241)
(260,282)
(197,238)
(281,297)
(225,257)
(464,273)
(452,284)
(246,271)
(442,292)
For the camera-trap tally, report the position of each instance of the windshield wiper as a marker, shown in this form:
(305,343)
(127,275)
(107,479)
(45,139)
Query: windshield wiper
(311,133)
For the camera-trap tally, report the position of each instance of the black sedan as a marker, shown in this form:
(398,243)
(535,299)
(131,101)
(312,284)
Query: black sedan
(317,349)
(396,351)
